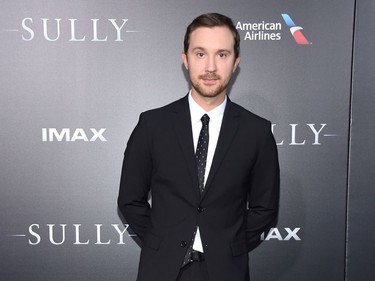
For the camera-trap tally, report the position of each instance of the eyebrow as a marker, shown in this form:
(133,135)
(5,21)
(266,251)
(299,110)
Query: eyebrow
(219,51)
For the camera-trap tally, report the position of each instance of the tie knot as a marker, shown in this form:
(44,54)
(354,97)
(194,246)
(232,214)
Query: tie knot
(205,119)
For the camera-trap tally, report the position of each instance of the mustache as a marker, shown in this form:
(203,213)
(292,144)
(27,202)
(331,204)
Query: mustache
(209,75)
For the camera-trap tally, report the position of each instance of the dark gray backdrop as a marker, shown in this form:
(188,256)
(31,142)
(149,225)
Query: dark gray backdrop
(361,192)
(71,73)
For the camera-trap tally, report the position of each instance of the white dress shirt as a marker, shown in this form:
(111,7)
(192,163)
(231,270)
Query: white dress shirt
(216,118)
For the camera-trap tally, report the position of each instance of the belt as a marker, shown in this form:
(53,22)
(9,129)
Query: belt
(196,256)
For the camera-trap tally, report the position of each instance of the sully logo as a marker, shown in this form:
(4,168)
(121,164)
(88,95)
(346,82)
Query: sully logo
(79,134)
(57,234)
(300,134)
(73,30)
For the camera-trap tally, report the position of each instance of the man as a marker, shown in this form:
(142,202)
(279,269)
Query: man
(211,168)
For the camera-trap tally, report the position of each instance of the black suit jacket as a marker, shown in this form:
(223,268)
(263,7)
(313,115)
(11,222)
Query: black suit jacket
(240,200)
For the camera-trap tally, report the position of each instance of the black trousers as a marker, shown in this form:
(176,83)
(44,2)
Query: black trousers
(195,271)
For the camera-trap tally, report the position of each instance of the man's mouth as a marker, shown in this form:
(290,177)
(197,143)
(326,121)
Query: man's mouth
(209,79)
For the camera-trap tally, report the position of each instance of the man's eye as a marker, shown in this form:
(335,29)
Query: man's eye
(200,55)
(223,55)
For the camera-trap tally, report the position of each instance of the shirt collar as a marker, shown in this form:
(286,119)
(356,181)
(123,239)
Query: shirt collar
(196,111)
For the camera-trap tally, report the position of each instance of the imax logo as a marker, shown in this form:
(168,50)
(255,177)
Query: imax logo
(275,233)
(79,134)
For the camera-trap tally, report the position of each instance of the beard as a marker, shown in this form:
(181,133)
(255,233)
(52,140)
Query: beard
(206,90)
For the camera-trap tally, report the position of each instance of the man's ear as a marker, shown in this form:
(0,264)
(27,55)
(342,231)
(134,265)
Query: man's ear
(236,63)
(184,60)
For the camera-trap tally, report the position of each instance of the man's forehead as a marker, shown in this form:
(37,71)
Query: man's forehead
(219,36)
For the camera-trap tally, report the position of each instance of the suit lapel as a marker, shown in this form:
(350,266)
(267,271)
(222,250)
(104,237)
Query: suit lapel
(182,127)
(228,130)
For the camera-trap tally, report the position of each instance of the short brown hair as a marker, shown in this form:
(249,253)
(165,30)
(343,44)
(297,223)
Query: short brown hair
(212,20)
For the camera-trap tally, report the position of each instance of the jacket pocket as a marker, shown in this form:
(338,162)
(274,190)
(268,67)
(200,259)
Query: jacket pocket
(152,241)
(239,247)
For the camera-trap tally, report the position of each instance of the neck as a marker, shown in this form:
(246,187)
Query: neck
(208,103)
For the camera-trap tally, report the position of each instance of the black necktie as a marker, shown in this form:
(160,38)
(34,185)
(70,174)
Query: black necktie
(201,152)
(201,159)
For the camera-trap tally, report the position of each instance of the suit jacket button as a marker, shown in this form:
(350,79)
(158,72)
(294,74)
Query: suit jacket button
(183,244)
(200,209)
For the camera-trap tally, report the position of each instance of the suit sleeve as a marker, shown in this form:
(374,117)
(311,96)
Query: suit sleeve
(263,197)
(135,180)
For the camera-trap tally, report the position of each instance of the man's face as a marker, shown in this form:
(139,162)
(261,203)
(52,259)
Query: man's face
(210,61)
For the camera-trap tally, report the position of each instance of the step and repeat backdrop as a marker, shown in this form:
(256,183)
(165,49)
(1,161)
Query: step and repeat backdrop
(74,77)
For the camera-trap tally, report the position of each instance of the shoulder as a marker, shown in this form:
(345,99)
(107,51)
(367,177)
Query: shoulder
(252,127)
(162,118)
(248,117)
(165,111)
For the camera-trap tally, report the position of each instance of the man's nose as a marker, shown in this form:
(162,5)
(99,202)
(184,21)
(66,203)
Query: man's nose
(211,64)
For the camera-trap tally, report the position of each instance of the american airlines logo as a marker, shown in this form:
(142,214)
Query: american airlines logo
(271,30)
(295,30)
(73,135)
